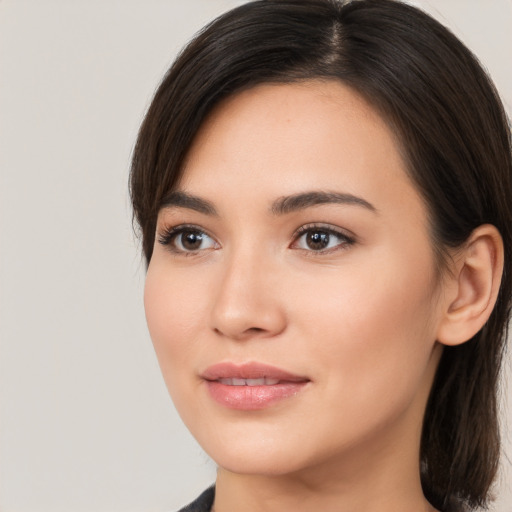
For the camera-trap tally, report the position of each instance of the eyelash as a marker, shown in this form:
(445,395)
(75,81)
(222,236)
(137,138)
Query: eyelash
(345,240)
(168,236)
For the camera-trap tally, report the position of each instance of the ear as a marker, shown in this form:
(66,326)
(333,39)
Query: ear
(473,287)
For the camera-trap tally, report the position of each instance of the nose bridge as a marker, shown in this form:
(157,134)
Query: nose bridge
(246,303)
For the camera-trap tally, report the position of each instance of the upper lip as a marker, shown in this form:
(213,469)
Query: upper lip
(253,370)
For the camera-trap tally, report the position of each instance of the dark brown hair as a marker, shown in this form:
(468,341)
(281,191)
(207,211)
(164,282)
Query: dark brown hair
(455,139)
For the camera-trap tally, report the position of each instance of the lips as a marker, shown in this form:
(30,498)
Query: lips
(264,381)
(251,386)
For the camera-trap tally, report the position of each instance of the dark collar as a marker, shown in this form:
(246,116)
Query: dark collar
(203,503)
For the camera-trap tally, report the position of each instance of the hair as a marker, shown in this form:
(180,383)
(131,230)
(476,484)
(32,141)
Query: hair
(455,139)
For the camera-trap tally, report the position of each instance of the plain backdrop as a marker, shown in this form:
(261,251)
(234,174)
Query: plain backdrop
(85,420)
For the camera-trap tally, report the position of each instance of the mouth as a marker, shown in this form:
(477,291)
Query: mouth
(264,381)
(251,386)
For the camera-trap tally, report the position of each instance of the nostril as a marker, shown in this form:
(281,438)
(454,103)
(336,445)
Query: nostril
(246,333)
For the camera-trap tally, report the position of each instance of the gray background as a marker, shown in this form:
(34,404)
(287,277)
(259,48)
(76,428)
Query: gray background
(85,420)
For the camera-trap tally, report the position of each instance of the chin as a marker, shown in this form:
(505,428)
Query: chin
(257,464)
(265,457)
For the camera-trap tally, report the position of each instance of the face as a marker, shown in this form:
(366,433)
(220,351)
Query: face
(292,293)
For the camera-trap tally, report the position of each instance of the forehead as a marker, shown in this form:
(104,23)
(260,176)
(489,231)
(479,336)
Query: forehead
(281,139)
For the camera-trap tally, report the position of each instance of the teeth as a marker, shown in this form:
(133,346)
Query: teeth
(264,381)
(255,382)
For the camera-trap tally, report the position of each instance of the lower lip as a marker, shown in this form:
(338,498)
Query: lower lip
(252,398)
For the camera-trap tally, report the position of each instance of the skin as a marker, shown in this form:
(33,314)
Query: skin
(359,319)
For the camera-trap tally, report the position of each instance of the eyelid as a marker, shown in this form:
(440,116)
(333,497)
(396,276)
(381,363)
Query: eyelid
(166,235)
(345,233)
(347,237)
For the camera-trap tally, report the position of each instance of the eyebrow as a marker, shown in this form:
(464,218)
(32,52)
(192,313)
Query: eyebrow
(281,206)
(181,199)
(300,201)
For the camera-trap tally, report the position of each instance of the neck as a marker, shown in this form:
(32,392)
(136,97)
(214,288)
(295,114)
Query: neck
(332,488)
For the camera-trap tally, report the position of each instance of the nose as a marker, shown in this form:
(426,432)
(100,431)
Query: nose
(247,303)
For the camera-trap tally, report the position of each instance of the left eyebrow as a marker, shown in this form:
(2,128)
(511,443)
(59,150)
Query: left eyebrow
(303,200)
(180,199)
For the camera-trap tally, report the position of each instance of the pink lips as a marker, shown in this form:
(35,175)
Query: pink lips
(251,386)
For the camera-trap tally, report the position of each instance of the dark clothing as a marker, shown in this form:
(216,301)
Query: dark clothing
(203,503)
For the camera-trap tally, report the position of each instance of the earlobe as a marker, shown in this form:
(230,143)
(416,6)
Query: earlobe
(474,286)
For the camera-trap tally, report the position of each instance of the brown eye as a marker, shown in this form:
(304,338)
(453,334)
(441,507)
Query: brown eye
(320,239)
(189,240)
(317,240)
(186,239)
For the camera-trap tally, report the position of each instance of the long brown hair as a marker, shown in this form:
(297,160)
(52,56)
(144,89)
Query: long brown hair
(454,136)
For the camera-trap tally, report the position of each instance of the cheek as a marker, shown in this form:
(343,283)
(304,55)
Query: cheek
(173,305)
(371,328)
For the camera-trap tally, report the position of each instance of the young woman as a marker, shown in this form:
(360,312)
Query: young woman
(323,190)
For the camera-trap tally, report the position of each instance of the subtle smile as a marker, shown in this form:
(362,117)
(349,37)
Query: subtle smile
(249,382)
(251,386)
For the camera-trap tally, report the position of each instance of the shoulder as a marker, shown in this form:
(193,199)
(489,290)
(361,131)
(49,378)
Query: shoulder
(203,503)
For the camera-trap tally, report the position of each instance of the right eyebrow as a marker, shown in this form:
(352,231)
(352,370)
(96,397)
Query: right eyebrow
(179,199)
(303,200)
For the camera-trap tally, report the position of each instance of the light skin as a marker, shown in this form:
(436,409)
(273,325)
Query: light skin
(306,246)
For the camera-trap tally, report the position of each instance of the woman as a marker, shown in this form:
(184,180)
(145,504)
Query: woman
(323,193)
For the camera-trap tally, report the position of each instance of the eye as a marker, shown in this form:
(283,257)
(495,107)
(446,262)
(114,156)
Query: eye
(186,239)
(321,239)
